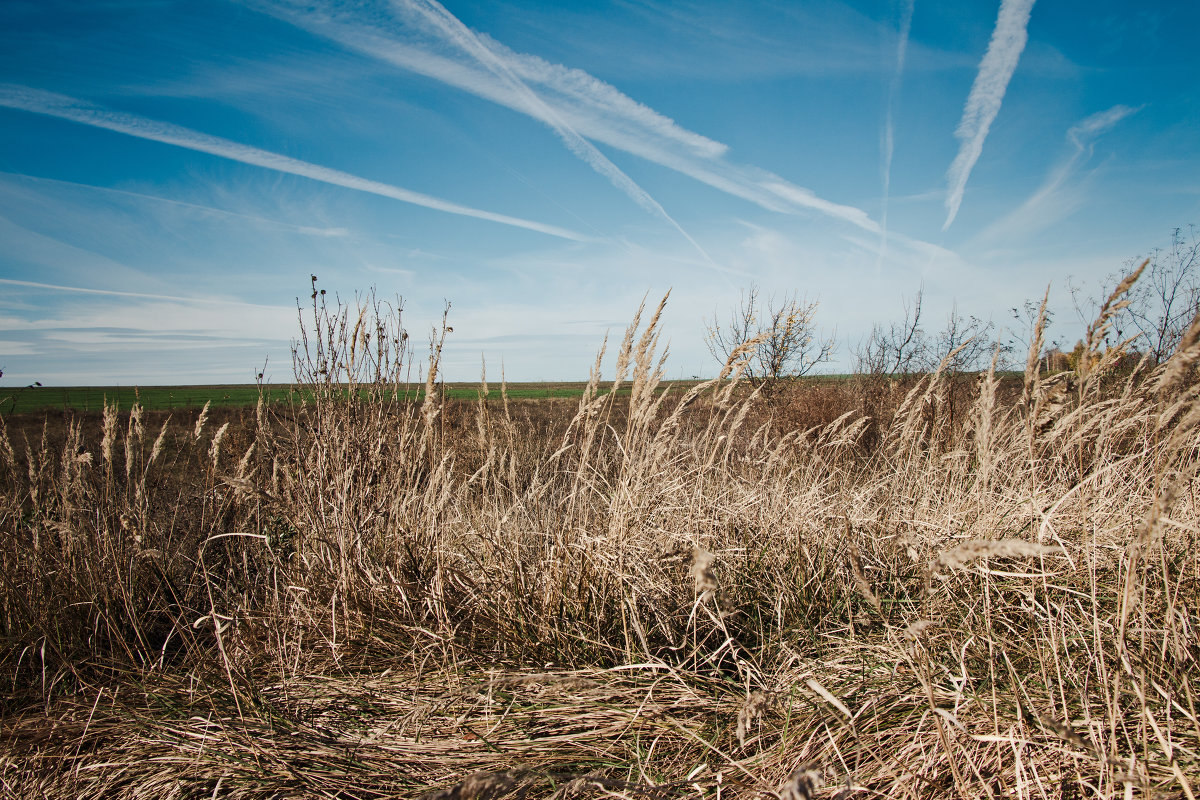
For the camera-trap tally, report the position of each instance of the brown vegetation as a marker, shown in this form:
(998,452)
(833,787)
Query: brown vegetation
(972,593)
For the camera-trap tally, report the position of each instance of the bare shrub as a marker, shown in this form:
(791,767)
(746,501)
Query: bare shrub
(784,337)
(1167,298)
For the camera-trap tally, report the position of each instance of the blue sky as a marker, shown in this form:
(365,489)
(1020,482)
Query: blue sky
(171,173)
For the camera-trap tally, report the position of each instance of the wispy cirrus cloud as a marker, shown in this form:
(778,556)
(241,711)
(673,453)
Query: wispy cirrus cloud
(306,230)
(593,109)
(55,287)
(68,108)
(1084,132)
(1057,197)
(46,254)
(68,333)
(987,93)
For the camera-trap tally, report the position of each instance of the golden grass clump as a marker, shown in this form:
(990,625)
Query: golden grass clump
(378,593)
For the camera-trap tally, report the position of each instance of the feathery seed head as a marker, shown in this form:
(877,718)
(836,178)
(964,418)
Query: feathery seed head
(702,573)
(200,421)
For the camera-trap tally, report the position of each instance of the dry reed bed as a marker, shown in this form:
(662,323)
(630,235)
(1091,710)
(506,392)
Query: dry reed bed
(665,598)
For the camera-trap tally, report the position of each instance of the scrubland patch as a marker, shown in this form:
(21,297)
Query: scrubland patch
(651,594)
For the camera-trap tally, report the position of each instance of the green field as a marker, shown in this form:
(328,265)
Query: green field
(92,398)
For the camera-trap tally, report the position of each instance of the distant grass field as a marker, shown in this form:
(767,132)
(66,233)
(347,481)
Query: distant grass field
(24,400)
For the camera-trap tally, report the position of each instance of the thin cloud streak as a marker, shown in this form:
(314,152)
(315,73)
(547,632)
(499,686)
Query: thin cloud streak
(594,109)
(905,29)
(56,105)
(803,198)
(987,93)
(1082,134)
(1055,199)
(307,230)
(55,287)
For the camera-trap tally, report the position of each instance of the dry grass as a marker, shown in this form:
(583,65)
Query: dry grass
(654,596)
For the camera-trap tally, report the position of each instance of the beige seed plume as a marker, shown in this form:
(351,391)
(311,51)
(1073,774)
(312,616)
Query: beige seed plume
(802,784)
(6,449)
(757,705)
(706,581)
(133,437)
(158,442)
(110,433)
(203,418)
(914,630)
(961,555)
(480,786)
(860,578)
(214,452)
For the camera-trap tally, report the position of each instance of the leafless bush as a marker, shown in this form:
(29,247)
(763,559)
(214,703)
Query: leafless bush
(1167,298)
(783,337)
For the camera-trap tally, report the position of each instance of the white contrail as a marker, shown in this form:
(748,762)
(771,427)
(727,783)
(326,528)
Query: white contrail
(452,29)
(55,287)
(63,107)
(592,108)
(987,93)
(906,16)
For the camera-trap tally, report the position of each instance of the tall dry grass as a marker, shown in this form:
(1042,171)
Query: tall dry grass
(665,595)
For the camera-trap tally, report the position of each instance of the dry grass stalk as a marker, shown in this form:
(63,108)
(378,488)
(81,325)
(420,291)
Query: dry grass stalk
(134,434)
(7,453)
(860,578)
(1037,341)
